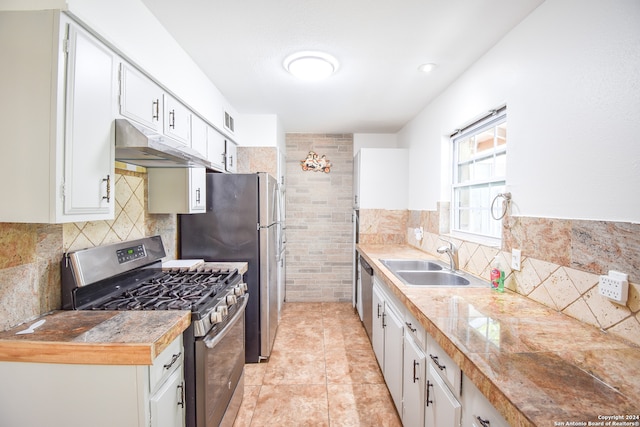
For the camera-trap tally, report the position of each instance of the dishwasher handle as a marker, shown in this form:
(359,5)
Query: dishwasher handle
(365,266)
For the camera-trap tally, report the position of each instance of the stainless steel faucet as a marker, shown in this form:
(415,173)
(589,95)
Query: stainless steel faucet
(452,252)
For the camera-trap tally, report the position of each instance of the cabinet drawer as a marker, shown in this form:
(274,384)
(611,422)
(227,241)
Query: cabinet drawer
(444,365)
(476,407)
(413,327)
(171,358)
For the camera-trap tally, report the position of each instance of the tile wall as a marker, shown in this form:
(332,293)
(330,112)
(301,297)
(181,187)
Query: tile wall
(30,253)
(319,225)
(561,263)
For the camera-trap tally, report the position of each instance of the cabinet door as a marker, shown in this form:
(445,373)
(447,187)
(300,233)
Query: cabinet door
(91,94)
(231,150)
(413,386)
(167,404)
(177,120)
(176,190)
(477,408)
(216,153)
(140,98)
(442,409)
(377,333)
(197,187)
(393,340)
(356,181)
(199,134)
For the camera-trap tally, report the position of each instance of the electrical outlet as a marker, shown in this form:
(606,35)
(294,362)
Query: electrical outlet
(515,259)
(614,286)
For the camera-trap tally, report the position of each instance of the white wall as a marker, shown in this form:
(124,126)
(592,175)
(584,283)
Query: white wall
(374,140)
(262,130)
(569,76)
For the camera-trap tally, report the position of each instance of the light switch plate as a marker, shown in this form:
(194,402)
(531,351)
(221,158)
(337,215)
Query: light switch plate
(516,255)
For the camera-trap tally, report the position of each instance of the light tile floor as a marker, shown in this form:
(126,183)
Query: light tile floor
(322,372)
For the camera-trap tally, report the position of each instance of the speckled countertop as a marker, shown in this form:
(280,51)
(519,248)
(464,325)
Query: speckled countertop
(539,367)
(95,337)
(99,337)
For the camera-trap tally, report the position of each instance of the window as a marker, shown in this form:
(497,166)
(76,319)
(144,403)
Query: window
(479,175)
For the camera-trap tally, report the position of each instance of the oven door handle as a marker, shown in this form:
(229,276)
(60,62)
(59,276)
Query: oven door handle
(211,342)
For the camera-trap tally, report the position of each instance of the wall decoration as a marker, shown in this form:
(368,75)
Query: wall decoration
(315,163)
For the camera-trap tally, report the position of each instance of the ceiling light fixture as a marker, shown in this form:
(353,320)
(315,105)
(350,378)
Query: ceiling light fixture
(311,66)
(427,68)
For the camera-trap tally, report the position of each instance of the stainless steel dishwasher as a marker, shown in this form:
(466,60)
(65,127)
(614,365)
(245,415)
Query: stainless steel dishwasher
(366,280)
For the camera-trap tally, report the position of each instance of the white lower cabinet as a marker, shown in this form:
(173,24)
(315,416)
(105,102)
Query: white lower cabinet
(61,395)
(442,409)
(177,190)
(478,411)
(387,340)
(414,383)
(427,386)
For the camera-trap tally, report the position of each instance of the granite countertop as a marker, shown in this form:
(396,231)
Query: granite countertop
(95,337)
(100,337)
(537,366)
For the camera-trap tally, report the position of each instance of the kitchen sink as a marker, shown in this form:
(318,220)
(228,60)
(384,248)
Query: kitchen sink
(410,264)
(419,272)
(432,278)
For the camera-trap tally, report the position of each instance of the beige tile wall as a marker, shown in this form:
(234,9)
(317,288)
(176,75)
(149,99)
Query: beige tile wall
(319,226)
(30,253)
(561,264)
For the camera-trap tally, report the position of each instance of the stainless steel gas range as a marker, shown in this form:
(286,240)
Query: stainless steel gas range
(129,276)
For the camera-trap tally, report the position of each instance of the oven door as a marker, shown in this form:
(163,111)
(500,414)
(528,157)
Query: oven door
(219,364)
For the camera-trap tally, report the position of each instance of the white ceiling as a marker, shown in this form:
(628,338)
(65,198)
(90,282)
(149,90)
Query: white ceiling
(241,44)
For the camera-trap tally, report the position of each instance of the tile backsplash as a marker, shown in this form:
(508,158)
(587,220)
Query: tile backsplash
(30,253)
(560,267)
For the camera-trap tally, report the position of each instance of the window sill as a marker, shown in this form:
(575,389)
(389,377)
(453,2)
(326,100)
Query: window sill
(492,242)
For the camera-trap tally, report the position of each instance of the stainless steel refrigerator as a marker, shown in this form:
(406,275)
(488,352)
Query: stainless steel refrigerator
(241,224)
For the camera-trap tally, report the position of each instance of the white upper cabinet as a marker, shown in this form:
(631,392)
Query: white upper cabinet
(89,137)
(140,98)
(381,178)
(231,162)
(177,120)
(216,150)
(177,190)
(199,135)
(59,92)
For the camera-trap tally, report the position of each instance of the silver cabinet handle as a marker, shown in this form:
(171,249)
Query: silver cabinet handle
(198,195)
(181,388)
(172,119)
(108,181)
(437,362)
(156,110)
(173,360)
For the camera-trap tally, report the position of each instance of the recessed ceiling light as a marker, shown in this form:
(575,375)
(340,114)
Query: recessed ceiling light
(311,66)
(427,68)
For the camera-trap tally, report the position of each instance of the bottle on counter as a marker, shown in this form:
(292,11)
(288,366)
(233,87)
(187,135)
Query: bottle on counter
(497,275)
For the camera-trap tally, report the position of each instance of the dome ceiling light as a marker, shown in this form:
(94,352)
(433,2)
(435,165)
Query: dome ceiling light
(311,66)
(427,68)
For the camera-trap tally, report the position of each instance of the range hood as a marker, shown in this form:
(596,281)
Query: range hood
(140,146)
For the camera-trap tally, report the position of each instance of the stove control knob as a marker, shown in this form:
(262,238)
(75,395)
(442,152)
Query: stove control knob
(238,291)
(232,299)
(216,317)
(223,310)
(244,287)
